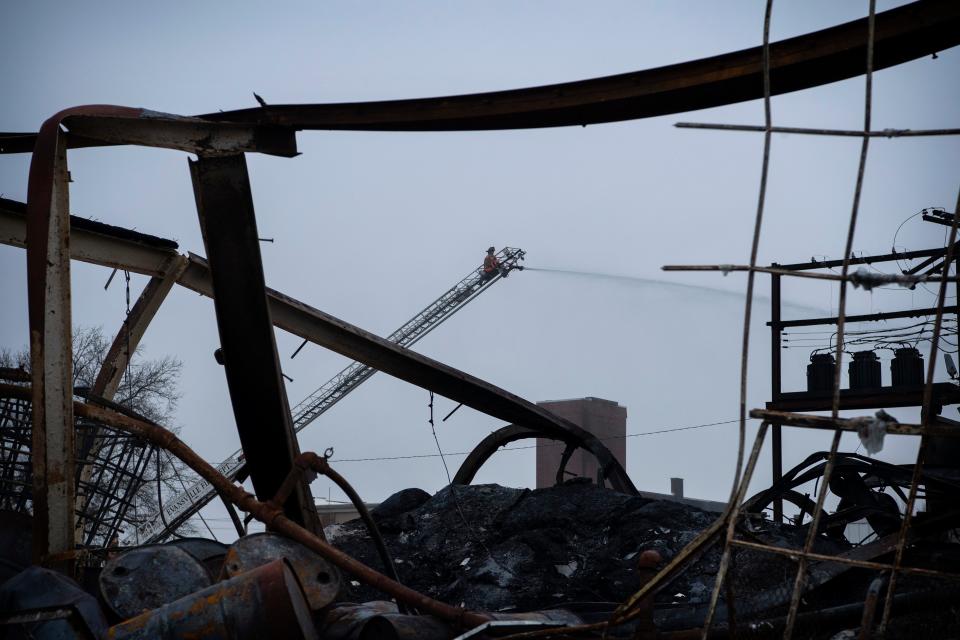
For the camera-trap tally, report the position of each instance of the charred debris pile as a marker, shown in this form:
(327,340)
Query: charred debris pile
(560,556)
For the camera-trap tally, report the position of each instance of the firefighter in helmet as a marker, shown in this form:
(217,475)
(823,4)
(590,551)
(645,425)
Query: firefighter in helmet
(491,266)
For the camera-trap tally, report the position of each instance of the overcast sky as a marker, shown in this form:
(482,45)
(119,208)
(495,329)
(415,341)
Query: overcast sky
(371,227)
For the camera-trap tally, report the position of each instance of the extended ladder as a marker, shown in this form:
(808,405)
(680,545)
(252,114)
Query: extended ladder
(200,493)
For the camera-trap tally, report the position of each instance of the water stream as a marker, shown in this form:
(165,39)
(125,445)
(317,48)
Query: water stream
(634,281)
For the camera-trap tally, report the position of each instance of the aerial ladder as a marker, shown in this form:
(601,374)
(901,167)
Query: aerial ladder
(187,503)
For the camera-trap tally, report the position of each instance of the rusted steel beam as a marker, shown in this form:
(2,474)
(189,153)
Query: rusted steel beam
(613,472)
(134,326)
(48,291)
(194,135)
(225,208)
(300,319)
(849,424)
(48,273)
(106,125)
(95,242)
(902,34)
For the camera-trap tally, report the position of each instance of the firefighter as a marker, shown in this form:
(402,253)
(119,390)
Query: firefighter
(491,266)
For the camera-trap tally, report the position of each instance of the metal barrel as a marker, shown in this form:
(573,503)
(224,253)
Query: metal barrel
(266,602)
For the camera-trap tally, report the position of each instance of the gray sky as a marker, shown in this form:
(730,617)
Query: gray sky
(372,226)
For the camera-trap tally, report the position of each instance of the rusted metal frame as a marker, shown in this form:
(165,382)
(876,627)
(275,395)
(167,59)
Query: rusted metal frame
(307,465)
(885,133)
(922,265)
(107,125)
(251,363)
(48,271)
(848,424)
(902,34)
(890,475)
(328,331)
(801,578)
(797,63)
(194,135)
(262,511)
(797,554)
(134,326)
(610,467)
(870,317)
(101,470)
(927,419)
(880,258)
(48,291)
(765,63)
(108,246)
(731,523)
(126,502)
(903,280)
(125,342)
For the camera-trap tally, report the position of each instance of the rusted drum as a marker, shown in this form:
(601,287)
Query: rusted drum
(320,579)
(148,577)
(264,603)
(210,552)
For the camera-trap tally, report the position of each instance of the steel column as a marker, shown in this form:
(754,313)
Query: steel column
(225,208)
(776,445)
(51,358)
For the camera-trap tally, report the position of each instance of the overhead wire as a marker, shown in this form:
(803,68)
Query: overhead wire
(518,448)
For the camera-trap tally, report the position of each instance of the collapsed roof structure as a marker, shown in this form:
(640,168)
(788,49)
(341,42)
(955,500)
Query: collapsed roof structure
(70,444)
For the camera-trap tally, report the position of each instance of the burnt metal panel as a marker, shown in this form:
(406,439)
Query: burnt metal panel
(225,208)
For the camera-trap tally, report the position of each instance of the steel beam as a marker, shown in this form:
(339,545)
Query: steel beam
(225,208)
(134,326)
(902,34)
(837,53)
(51,358)
(613,472)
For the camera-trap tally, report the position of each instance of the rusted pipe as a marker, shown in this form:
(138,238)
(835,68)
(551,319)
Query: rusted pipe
(266,513)
(310,461)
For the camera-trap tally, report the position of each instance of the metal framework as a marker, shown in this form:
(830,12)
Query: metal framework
(116,472)
(184,505)
(222,188)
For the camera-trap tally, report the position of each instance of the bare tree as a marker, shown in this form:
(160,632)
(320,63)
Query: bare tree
(148,387)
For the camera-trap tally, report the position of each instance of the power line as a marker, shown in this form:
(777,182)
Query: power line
(464,453)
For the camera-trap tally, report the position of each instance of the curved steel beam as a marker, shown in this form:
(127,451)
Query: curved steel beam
(902,34)
(813,59)
(610,467)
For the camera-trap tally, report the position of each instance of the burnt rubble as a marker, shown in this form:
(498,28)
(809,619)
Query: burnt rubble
(495,548)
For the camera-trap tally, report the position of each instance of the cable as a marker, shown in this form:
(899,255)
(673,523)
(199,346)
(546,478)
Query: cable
(466,453)
(176,472)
